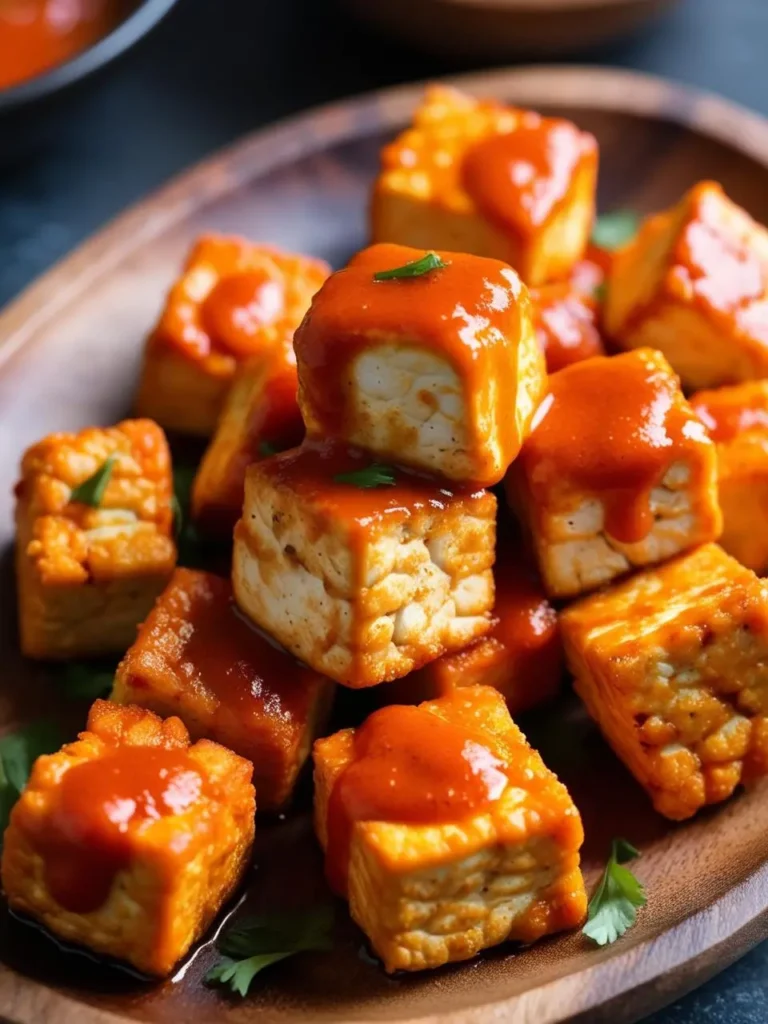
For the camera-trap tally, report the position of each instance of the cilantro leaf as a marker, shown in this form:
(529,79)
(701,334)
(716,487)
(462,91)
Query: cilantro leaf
(81,680)
(612,230)
(266,448)
(416,268)
(600,293)
(18,752)
(254,943)
(91,491)
(614,904)
(188,540)
(375,475)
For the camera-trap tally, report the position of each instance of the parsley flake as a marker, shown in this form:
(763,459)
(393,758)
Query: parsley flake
(375,475)
(18,752)
(612,230)
(614,904)
(266,448)
(82,680)
(91,491)
(416,268)
(254,943)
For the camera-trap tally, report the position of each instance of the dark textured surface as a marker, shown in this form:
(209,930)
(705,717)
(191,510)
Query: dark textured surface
(198,83)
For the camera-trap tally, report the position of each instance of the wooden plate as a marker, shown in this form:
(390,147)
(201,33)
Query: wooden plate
(69,355)
(505,28)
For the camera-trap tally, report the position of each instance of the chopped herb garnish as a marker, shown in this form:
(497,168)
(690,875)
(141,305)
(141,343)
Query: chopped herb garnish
(188,540)
(254,943)
(416,268)
(266,448)
(600,292)
(375,475)
(613,907)
(83,681)
(18,752)
(178,516)
(612,230)
(91,491)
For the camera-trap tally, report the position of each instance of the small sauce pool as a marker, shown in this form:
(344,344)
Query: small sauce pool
(37,35)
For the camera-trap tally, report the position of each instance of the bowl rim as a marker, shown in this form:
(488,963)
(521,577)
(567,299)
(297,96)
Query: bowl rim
(127,32)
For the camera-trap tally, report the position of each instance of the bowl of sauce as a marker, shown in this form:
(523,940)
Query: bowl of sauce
(48,45)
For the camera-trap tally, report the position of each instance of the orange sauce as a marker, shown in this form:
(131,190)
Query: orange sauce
(610,427)
(100,806)
(470,312)
(206,646)
(565,324)
(523,617)
(728,415)
(240,306)
(37,35)
(410,767)
(519,179)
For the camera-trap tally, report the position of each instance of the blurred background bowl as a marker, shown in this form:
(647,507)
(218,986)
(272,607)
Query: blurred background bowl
(507,28)
(27,110)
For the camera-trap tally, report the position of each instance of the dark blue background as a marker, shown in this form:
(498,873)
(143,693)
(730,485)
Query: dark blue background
(204,78)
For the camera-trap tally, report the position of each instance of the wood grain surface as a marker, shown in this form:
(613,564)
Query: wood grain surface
(69,350)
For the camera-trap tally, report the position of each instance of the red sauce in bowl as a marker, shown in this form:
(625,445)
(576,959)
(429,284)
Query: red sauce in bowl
(37,35)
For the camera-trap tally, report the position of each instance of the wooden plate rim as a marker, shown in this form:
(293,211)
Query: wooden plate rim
(740,917)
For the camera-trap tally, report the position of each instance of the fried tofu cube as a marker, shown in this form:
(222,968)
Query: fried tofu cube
(694,285)
(618,473)
(260,416)
(737,420)
(521,656)
(565,318)
(196,657)
(87,574)
(364,573)
(446,832)
(476,176)
(441,371)
(673,666)
(130,840)
(234,300)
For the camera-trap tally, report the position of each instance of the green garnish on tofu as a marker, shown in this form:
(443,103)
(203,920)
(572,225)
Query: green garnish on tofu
(612,230)
(375,475)
(416,268)
(18,752)
(91,491)
(81,680)
(266,449)
(614,904)
(254,943)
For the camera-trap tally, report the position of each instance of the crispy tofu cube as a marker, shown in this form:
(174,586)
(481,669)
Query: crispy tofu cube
(364,583)
(694,284)
(438,859)
(565,318)
(260,416)
(196,657)
(737,420)
(88,575)
(475,176)
(618,473)
(440,371)
(521,656)
(673,666)
(129,840)
(234,300)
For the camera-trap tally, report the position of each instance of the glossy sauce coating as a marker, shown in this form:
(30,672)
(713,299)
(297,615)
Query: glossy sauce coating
(411,767)
(471,313)
(730,412)
(99,807)
(240,306)
(519,179)
(37,35)
(565,322)
(612,428)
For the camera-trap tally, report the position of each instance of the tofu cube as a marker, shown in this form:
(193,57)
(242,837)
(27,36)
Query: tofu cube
(438,860)
(521,656)
(87,574)
(673,666)
(233,300)
(260,416)
(364,583)
(196,657)
(694,285)
(440,371)
(737,420)
(476,176)
(129,841)
(565,318)
(618,473)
